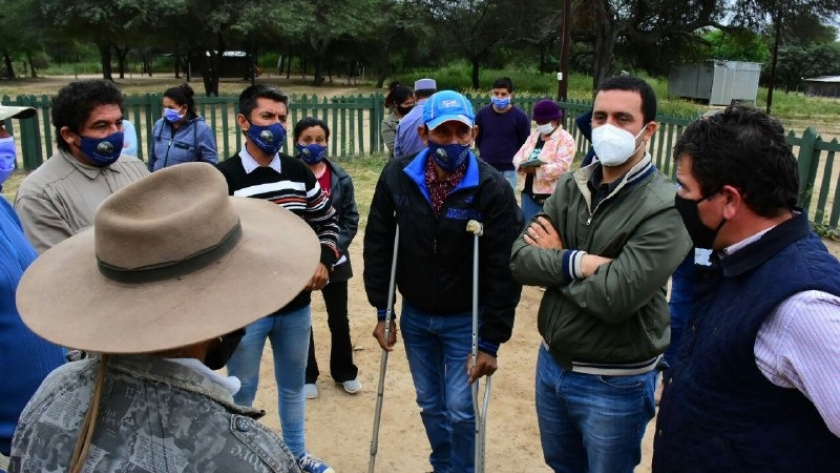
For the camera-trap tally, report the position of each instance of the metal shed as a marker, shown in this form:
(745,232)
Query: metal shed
(824,86)
(715,81)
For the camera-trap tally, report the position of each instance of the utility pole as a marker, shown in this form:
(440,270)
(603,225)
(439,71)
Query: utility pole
(565,40)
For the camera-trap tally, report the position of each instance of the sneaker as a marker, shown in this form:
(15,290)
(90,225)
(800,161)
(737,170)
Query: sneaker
(310,391)
(309,463)
(353,386)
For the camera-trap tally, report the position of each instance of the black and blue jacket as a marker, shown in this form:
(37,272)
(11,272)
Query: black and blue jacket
(434,269)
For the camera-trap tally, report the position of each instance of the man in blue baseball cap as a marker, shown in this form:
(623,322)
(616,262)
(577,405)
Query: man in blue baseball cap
(431,196)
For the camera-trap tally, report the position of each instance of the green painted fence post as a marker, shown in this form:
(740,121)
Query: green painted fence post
(808,161)
(30,137)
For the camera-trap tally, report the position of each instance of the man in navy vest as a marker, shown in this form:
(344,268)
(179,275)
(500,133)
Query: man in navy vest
(755,385)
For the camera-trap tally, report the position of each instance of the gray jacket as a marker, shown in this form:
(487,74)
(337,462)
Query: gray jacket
(155,416)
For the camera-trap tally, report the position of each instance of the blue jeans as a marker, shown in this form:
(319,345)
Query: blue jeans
(590,423)
(530,208)
(510,175)
(289,337)
(437,348)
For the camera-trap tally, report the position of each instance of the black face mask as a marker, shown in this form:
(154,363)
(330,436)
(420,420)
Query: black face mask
(220,352)
(701,235)
(404,110)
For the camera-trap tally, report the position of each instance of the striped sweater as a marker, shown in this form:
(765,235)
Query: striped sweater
(290,183)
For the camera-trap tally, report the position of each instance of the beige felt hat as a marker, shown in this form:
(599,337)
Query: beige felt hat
(8,111)
(170,261)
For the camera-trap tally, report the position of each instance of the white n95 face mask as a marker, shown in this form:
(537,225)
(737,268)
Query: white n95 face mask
(546,129)
(614,146)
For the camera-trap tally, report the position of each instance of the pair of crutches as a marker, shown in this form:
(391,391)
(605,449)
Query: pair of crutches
(477,229)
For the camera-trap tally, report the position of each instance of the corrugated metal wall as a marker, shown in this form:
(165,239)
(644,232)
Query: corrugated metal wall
(718,82)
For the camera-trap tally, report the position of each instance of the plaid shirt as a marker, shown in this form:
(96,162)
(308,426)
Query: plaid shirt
(439,189)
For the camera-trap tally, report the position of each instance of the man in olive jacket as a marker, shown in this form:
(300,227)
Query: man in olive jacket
(605,245)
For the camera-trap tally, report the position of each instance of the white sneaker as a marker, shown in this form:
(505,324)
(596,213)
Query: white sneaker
(353,386)
(310,391)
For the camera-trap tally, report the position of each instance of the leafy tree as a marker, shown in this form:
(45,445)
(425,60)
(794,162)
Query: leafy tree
(20,33)
(102,23)
(650,26)
(781,13)
(394,34)
(475,27)
(735,45)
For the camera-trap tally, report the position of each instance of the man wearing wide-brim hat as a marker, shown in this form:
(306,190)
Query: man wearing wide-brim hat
(161,290)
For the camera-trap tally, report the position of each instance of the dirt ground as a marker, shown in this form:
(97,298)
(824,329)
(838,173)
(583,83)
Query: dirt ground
(339,425)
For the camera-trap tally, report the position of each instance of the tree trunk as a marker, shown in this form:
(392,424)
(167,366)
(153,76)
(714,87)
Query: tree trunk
(32,72)
(105,57)
(770,86)
(383,74)
(604,49)
(177,66)
(10,70)
(476,64)
(254,66)
(319,70)
(122,54)
(216,60)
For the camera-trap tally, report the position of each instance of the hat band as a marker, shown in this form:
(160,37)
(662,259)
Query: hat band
(163,271)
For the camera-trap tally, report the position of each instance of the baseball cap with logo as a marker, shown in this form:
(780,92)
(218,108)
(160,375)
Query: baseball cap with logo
(447,105)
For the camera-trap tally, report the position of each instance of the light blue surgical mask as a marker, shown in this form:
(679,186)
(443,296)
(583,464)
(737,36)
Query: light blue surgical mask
(8,157)
(500,103)
(172,115)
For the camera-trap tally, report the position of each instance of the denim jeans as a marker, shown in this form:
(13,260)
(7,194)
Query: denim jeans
(289,337)
(530,208)
(437,347)
(590,423)
(510,175)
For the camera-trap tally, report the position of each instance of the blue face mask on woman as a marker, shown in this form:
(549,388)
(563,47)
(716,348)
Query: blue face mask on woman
(172,115)
(103,151)
(449,157)
(8,156)
(269,138)
(312,153)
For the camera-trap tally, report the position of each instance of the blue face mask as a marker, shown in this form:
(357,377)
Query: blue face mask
(449,157)
(103,151)
(500,103)
(8,156)
(269,139)
(172,116)
(312,153)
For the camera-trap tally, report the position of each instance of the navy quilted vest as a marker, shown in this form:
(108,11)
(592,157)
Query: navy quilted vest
(719,413)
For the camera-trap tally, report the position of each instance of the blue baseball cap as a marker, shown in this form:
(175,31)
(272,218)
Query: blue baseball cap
(445,106)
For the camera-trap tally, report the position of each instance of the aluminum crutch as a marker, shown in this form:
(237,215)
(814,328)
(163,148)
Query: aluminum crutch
(383,360)
(477,229)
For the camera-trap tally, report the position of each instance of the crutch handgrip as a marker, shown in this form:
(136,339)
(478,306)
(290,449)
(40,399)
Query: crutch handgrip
(475,227)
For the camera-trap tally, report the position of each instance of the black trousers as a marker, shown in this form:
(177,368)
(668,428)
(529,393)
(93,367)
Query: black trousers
(341,352)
